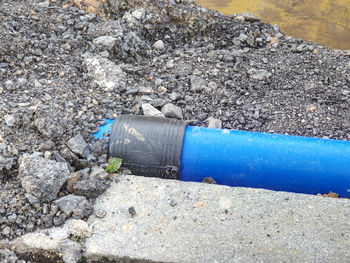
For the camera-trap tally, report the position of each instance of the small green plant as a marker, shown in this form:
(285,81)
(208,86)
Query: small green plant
(114,165)
(81,259)
(75,238)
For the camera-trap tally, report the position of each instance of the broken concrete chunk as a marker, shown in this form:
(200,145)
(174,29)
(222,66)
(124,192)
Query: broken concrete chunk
(105,73)
(172,111)
(149,110)
(41,177)
(69,202)
(82,210)
(93,184)
(71,251)
(105,42)
(33,200)
(138,13)
(159,45)
(78,146)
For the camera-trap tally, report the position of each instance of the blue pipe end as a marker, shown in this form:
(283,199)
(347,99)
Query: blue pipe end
(105,130)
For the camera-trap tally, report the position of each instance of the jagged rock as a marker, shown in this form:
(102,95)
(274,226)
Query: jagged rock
(69,202)
(93,184)
(50,124)
(149,110)
(259,74)
(159,45)
(105,73)
(9,120)
(172,111)
(214,123)
(71,251)
(78,146)
(41,177)
(33,200)
(105,42)
(82,210)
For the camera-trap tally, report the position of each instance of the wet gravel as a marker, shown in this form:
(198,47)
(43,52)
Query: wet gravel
(63,72)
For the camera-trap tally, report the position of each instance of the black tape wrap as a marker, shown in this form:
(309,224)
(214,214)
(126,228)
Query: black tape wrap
(149,146)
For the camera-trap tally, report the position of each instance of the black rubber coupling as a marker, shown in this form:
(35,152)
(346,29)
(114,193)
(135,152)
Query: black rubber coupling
(149,146)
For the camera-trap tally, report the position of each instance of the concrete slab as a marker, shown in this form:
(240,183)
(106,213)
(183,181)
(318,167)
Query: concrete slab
(155,220)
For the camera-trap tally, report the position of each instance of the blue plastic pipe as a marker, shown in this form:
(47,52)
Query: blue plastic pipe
(261,160)
(270,161)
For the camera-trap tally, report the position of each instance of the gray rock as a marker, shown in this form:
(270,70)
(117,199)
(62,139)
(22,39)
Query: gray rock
(41,177)
(250,17)
(93,184)
(46,145)
(69,202)
(45,208)
(105,73)
(138,13)
(278,35)
(145,91)
(173,96)
(54,209)
(149,110)
(259,74)
(78,146)
(67,155)
(105,42)
(242,37)
(43,4)
(33,200)
(59,220)
(172,111)
(276,27)
(71,251)
(129,18)
(6,231)
(60,159)
(211,87)
(12,218)
(197,83)
(9,120)
(214,123)
(47,220)
(50,125)
(7,256)
(159,45)
(300,48)
(82,210)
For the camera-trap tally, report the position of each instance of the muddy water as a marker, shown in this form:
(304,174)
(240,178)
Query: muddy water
(323,21)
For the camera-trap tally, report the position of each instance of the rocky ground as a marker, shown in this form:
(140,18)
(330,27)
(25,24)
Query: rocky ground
(63,71)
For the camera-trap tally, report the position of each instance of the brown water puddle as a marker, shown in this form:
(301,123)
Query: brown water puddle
(324,21)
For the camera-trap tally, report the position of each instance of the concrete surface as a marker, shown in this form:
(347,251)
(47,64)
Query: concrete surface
(155,220)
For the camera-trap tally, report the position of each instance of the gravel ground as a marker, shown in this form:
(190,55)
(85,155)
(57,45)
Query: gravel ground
(63,71)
